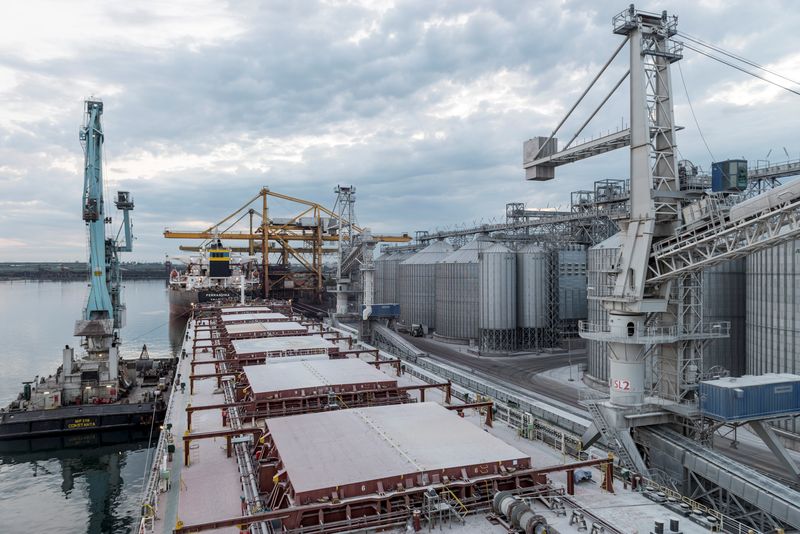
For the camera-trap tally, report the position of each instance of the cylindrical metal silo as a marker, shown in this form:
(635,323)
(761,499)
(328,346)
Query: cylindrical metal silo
(572,305)
(601,261)
(386,275)
(773,313)
(417,289)
(380,278)
(498,299)
(532,313)
(457,287)
(724,297)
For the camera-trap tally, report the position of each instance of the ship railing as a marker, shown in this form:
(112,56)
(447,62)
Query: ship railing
(149,501)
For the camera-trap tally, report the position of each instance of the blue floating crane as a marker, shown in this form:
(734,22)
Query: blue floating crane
(104,303)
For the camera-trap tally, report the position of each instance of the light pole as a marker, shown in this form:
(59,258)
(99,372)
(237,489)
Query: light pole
(565,335)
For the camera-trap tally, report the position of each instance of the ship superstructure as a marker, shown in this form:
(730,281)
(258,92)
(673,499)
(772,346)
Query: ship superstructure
(216,274)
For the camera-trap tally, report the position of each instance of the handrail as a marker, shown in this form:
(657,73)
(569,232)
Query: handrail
(149,498)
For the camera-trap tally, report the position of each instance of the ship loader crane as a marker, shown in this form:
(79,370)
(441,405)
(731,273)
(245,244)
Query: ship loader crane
(298,239)
(654,300)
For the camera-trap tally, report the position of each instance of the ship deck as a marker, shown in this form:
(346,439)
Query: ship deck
(210,488)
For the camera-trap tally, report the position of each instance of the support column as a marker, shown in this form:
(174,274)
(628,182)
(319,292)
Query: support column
(767,435)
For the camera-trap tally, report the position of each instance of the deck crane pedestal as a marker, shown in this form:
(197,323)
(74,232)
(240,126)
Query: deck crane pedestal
(654,301)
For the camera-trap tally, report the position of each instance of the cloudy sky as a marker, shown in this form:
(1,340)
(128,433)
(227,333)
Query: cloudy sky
(422,105)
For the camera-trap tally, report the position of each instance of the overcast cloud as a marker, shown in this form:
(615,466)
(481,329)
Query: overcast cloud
(422,105)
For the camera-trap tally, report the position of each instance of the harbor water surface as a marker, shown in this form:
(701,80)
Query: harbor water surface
(89,483)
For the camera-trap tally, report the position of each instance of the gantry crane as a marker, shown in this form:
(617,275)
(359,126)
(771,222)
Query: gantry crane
(300,238)
(654,302)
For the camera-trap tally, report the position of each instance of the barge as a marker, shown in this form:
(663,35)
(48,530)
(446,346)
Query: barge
(95,388)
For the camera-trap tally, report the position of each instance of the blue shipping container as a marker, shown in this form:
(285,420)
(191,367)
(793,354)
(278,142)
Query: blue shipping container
(750,397)
(383,310)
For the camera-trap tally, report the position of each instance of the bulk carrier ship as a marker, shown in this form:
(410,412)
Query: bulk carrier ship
(98,390)
(215,275)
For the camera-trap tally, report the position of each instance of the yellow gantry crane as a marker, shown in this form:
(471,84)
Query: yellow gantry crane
(299,238)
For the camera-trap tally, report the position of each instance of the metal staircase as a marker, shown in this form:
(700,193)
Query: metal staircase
(617,440)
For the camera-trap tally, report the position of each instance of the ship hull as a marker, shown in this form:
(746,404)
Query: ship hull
(181,301)
(77,419)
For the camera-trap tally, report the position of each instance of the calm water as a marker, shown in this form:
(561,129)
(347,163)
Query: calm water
(87,484)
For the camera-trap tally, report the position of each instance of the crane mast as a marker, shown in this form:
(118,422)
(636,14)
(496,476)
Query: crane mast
(104,313)
(99,304)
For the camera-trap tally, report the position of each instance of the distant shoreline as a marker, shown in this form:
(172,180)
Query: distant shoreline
(77,271)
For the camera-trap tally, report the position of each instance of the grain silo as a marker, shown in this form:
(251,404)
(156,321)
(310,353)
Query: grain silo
(601,261)
(532,297)
(417,287)
(498,299)
(724,297)
(386,275)
(772,330)
(773,310)
(571,286)
(457,290)
(380,278)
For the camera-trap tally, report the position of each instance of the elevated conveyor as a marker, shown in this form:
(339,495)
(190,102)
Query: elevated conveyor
(725,484)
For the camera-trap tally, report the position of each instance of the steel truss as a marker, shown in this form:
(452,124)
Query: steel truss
(721,241)
(727,504)
(498,340)
(297,241)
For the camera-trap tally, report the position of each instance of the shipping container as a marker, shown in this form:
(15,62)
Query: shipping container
(750,397)
(382,310)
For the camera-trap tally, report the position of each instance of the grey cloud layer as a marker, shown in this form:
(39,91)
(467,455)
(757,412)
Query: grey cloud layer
(425,114)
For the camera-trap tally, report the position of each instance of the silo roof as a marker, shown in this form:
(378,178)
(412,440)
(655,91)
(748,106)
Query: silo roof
(497,248)
(468,253)
(531,247)
(433,253)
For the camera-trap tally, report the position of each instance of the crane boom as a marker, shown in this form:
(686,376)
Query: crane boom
(104,306)
(99,304)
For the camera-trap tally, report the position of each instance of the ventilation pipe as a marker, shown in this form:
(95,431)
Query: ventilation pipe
(68,355)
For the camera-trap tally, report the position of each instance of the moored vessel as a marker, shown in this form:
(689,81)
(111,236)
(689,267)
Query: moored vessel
(95,389)
(216,275)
